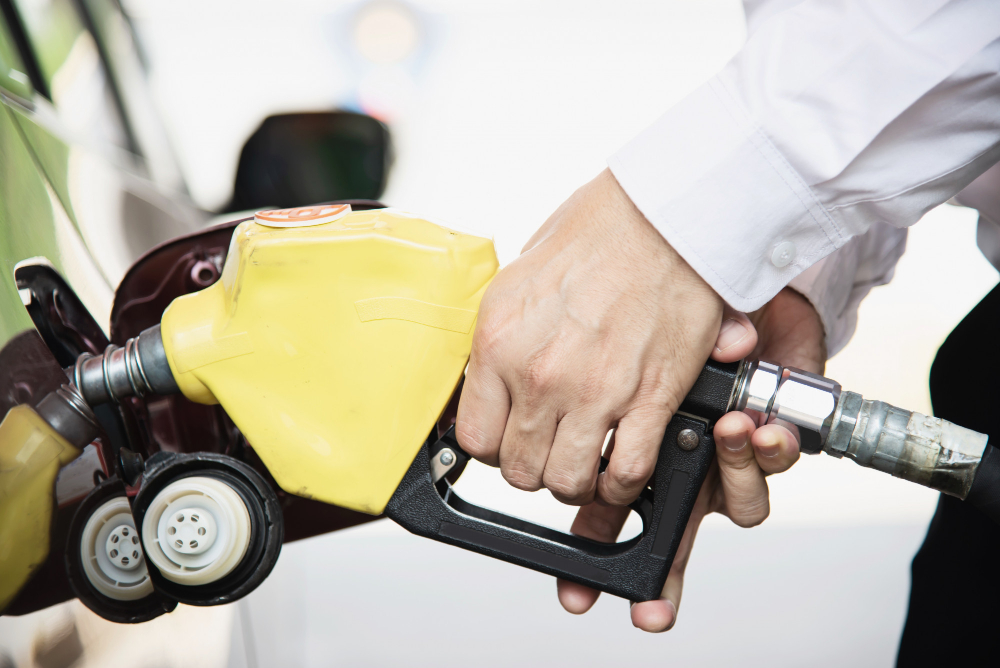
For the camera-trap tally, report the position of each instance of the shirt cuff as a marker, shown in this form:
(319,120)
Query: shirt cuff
(837,284)
(827,285)
(722,195)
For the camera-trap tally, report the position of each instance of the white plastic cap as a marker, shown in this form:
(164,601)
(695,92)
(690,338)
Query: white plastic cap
(111,554)
(173,524)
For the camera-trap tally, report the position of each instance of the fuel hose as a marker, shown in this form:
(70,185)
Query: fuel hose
(923,449)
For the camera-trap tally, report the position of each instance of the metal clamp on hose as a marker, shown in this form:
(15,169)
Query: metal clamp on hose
(137,369)
(803,401)
(926,450)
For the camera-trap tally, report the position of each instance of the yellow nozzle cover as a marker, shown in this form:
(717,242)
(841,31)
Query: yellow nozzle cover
(334,347)
(31,454)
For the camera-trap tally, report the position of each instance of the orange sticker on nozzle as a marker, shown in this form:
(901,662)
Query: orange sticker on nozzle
(303,216)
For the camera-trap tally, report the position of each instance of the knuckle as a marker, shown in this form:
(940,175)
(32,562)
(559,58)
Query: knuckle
(568,487)
(600,383)
(541,373)
(488,342)
(653,402)
(473,440)
(521,477)
(631,476)
(739,465)
(492,338)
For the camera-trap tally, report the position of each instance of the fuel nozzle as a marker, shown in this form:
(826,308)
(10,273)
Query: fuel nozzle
(926,450)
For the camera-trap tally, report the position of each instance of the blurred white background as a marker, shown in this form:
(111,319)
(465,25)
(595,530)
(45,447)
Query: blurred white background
(499,110)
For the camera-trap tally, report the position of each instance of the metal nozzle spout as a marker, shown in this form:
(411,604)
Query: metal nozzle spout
(136,369)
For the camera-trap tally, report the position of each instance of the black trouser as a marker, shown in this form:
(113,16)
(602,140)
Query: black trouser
(954,611)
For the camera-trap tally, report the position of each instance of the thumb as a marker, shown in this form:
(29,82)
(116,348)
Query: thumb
(737,336)
(743,484)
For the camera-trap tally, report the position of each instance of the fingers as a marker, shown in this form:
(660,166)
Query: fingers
(637,445)
(737,336)
(600,522)
(526,443)
(597,522)
(482,413)
(660,615)
(654,616)
(775,448)
(575,598)
(742,480)
(571,469)
(746,455)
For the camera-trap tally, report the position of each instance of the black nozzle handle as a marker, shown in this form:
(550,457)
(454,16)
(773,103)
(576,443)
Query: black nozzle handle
(634,569)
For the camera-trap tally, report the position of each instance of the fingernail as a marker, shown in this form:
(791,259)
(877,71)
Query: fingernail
(770,447)
(734,443)
(732,332)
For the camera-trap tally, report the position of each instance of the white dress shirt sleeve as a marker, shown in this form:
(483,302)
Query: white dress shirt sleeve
(983,194)
(836,284)
(835,115)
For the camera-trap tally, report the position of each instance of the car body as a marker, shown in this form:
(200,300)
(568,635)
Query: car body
(88,187)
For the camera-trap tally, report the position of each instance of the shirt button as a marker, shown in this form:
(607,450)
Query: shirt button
(783,254)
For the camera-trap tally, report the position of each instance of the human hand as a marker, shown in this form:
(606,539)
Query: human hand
(599,324)
(788,332)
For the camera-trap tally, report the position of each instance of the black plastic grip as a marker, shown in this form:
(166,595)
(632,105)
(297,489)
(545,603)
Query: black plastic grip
(710,396)
(634,569)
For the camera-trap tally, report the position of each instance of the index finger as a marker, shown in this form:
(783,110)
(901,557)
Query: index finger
(482,413)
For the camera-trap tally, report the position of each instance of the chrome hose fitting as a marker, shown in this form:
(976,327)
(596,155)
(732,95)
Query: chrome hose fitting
(800,400)
(139,368)
(926,450)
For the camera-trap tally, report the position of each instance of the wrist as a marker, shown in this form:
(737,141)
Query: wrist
(682,274)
